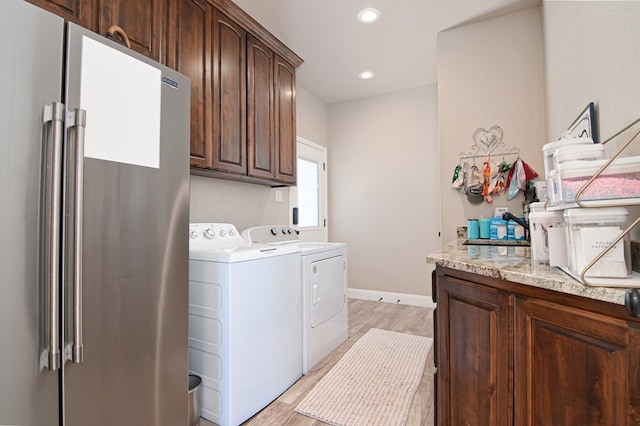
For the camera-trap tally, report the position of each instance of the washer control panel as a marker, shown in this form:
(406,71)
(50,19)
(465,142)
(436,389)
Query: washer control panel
(205,234)
(270,234)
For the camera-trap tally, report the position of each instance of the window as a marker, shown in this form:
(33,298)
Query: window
(308,193)
(309,197)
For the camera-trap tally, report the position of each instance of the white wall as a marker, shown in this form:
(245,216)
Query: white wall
(489,74)
(247,204)
(383,188)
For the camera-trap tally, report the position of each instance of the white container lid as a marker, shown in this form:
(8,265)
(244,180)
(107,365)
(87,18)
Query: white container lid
(549,148)
(546,217)
(600,214)
(587,168)
(573,152)
(536,207)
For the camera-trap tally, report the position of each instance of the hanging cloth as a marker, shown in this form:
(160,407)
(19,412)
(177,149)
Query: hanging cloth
(512,181)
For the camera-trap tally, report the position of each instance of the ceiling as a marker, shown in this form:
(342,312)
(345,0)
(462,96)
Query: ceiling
(400,48)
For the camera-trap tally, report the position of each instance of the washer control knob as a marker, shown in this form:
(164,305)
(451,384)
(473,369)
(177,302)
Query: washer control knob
(223,233)
(284,232)
(209,233)
(289,231)
(297,232)
(193,234)
(273,231)
(232,232)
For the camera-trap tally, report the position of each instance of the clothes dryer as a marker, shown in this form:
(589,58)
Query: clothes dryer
(324,290)
(245,321)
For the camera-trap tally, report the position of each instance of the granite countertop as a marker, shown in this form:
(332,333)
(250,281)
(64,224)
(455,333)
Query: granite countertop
(513,263)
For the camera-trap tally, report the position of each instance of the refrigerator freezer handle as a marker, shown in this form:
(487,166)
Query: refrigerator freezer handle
(53,117)
(77,120)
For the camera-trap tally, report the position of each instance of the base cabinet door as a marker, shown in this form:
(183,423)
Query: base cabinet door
(574,367)
(474,353)
(511,354)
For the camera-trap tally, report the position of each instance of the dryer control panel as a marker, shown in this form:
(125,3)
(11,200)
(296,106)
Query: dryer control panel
(270,234)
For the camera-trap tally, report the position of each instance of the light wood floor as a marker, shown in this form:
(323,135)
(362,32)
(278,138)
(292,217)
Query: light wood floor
(363,315)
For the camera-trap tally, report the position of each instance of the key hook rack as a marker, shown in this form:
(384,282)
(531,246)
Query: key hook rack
(488,142)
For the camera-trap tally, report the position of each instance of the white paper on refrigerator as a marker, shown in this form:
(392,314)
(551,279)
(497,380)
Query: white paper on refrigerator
(122,98)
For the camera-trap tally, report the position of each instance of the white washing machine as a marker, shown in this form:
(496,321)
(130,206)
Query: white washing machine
(324,290)
(245,321)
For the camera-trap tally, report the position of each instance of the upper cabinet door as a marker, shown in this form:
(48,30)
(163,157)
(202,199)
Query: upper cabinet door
(260,110)
(229,95)
(81,12)
(189,51)
(141,21)
(285,109)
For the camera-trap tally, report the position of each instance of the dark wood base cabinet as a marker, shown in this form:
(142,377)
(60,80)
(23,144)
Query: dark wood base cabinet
(512,354)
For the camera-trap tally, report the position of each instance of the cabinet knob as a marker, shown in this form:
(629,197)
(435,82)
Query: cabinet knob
(116,30)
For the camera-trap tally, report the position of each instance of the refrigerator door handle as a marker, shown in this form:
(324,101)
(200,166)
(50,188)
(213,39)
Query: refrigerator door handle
(77,119)
(53,117)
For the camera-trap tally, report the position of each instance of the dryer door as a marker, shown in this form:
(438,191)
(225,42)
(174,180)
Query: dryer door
(327,288)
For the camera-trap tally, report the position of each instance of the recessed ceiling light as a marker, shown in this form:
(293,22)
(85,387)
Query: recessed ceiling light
(366,75)
(368,15)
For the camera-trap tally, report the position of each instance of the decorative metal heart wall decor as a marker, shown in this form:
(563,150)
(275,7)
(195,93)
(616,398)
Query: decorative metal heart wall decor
(487,140)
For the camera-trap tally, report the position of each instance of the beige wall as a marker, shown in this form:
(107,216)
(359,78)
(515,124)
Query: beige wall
(311,117)
(592,54)
(246,204)
(489,74)
(383,188)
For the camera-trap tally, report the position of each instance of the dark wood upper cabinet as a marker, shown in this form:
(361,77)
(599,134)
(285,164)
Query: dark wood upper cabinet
(285,100)
(243,111)
(189,51)
(81,12)
(141,20)
(229,96)
(250,106)
(260,109)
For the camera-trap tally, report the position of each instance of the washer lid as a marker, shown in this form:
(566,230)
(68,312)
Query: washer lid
(241,253)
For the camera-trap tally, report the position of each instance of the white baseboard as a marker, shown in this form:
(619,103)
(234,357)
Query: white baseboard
(384,296)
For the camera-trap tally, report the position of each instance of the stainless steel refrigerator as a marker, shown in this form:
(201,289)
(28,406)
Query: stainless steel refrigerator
(94,188)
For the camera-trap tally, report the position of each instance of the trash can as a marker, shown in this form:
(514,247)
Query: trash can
(195,403)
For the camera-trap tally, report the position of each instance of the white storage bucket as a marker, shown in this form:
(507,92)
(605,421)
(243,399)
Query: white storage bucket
(620,180)
(540,223)
(549,149)
(583,152)
(589,232)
